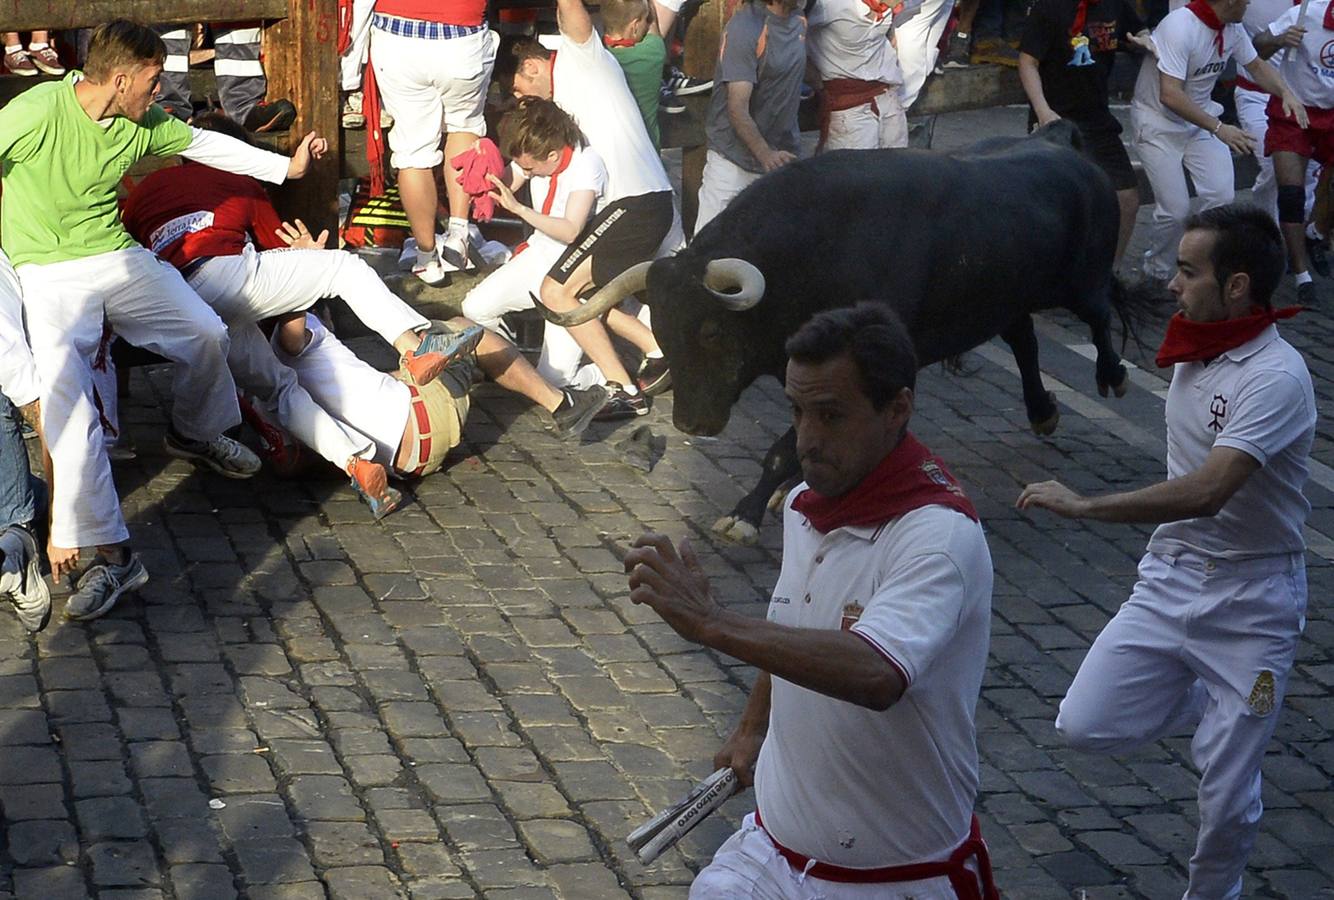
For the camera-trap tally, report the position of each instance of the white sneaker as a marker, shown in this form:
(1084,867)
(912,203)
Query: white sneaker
(434,271)
(454,252)
(222,454)
(353,117)
(102,585)
(21,581)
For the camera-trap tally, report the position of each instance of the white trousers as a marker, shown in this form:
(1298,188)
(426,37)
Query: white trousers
(1198,639)
(862,128)
(917,40)
(259,373)
(351,62)
(748,865)
(149,305)
(1164,147)
(256,285)
(723,180)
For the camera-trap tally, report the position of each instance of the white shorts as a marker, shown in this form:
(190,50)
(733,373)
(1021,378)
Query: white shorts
(431,87)
(723,180)
(748,865)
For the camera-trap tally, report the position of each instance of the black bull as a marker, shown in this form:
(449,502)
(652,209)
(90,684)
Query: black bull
(963,245)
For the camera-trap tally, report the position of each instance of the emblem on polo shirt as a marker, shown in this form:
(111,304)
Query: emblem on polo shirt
(1261,700)
(1218,409)
(851,613)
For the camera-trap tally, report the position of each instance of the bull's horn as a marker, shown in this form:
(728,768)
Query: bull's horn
(624,285)
(736,283)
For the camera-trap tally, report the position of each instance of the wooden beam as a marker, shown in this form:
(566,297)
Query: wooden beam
(27,15)
(301,62)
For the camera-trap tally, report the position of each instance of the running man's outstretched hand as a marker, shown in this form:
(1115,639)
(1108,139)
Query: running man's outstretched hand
(312,147)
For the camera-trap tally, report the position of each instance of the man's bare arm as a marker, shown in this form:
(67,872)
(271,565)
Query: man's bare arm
(742,748)
(1200,494)
(738,113)
(573,20)
(835,663)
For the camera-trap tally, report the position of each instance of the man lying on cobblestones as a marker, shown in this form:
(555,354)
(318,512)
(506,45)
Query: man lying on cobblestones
(409,427)
(876,641)
(1211,627)
(21,581)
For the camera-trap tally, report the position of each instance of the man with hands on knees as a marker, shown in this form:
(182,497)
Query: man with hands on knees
(1211,627)
(875,640)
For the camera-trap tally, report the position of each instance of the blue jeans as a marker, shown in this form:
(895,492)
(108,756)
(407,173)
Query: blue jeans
(19,490)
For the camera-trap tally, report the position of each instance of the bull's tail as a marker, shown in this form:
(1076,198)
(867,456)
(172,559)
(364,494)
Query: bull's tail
(1139,302)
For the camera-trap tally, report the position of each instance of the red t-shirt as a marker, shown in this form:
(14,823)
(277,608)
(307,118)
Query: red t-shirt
(186,212)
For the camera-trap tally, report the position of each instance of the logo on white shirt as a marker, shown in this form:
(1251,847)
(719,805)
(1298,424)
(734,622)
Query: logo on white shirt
(1218,409)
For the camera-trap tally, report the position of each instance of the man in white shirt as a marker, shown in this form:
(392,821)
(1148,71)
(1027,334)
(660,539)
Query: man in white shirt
(849,46)
(876,640)
(1211,628)
(637,217)
(21,581)
(1175,121)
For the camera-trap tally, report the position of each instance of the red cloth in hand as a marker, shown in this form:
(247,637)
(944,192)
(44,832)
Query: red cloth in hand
(474,165)
(1188,341)
(908,478)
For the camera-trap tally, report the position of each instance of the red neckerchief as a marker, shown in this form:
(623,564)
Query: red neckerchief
(1081,16)
(908,478)
(877,7)
(1205,13)
(610,42)
(1188,341)
(1329,17)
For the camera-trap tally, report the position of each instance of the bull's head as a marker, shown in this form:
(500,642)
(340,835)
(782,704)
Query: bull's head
(696,322)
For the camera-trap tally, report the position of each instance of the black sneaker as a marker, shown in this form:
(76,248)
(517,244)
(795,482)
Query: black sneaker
(577,409)
(683,85)
(668,102)
(1306,293)
(958,55)
(654,377)
(276,116)
(1315,252)
(621,405)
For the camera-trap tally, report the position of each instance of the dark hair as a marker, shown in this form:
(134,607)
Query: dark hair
(872,336)
(513,52)
(121,44)
(1246,239)
(537,127)
(217,120)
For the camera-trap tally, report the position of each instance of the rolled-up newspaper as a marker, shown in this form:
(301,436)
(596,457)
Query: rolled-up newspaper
(665,829)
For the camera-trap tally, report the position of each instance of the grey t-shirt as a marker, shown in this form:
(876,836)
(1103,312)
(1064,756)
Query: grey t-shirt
(768,51)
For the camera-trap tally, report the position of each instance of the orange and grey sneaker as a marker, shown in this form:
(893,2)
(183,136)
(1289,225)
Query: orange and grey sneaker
(372,483)
(438,349)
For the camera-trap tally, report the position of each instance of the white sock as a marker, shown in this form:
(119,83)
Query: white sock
(33,47)
(458,226)
(424,257)
(630,389)
(653,354)
(1303,277)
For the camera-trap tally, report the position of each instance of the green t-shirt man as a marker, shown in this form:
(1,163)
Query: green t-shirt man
(60,171)
(642,65)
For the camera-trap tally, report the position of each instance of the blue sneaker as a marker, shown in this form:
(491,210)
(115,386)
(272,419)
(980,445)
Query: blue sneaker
(438,349)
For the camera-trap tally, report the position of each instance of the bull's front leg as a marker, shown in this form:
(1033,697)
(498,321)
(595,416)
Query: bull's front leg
(742,524)
(1110,371)
(1040,403)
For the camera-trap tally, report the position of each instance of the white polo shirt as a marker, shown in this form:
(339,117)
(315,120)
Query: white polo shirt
(585,172)
(1258,399)
(860,788)
(846,40)
(1188,49)
(1310,70)
(588,83)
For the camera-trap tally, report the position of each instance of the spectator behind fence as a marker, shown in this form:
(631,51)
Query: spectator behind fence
(39,58)
(239,72)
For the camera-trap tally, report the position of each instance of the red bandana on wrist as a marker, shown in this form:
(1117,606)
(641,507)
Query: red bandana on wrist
(1188,341)
(908,478)
(1205,13)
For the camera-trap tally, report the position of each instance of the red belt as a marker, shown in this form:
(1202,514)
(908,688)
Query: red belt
(423,418)
(1244,82)
(962,879)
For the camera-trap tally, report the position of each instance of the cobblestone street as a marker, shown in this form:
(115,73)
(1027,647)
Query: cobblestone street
(460,701)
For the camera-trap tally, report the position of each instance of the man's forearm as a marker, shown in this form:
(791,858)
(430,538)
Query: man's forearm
(755,717)
(230,155)
(1031,82)
(573,20)
(1177,101)
(832,662)
(1188,497)
(749,133)
(1267,77)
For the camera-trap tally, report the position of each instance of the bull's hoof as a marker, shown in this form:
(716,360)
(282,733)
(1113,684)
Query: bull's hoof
(737,530)
(1120,387)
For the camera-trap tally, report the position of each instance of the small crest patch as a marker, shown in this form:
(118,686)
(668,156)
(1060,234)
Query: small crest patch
(851,613)
(1261,700)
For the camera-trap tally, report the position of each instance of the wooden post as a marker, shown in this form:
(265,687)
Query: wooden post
(301,62)
(26,15)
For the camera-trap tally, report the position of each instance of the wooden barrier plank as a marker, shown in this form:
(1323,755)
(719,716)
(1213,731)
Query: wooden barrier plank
(26,15)
(301,62)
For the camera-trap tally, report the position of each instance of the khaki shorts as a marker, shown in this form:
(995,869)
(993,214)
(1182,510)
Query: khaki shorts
(436,414)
